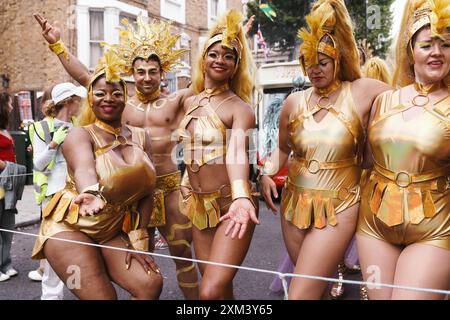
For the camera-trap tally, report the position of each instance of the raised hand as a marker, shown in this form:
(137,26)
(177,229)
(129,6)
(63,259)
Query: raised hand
(249,24)
(89,204)
(240,213)
(268,187)
(51,33)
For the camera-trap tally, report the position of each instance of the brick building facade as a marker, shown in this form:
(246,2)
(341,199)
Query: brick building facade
(30,66)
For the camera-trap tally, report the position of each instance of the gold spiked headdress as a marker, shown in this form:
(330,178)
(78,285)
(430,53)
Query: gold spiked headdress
(418,14)
(227,34)
(330,32)
(149,39)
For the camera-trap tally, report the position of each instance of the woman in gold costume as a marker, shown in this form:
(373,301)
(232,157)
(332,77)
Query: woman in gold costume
(324,129)
(217,164)
(101,157)
(403,234)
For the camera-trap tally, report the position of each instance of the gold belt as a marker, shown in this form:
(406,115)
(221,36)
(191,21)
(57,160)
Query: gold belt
(437,179)
(314,165)
(340,194)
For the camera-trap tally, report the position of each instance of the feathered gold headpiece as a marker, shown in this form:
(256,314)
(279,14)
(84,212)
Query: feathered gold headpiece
(227,33)
(113,67)
(149,39)
(418,14)
(435,13)
(321,25)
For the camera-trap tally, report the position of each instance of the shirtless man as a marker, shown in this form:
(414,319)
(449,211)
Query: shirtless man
(160,115)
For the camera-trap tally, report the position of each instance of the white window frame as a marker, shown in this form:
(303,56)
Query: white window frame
(178,15)
(221,8)
(112,9)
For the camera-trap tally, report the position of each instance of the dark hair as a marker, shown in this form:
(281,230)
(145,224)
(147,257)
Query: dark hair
(4,115)
(152,57)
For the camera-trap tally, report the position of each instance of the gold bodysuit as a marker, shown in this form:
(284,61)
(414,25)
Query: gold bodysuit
(407,197)
(114,174)
(324,169)
(207,143)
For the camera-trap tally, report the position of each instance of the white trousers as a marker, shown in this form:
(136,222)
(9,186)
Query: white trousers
(52,286)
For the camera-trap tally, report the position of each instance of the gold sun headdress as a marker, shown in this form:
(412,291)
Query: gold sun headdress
(149,39)
(330,32)
(227,34)
(418,14)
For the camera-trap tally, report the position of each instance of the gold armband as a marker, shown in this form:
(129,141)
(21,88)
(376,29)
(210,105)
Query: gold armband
(139,239)
(185,180)
(59,48)
(95,190)
(240,189)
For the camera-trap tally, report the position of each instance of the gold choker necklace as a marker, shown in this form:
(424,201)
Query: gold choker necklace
(148,98)
(112,130)
(209,92)
(328,91)
(423,90)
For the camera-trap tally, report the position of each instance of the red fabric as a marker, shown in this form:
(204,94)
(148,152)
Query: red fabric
(7,149)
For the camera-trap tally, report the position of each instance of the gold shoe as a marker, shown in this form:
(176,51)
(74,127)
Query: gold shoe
(337,290)
(363,292)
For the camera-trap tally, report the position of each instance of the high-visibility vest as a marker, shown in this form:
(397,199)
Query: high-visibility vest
(44,130)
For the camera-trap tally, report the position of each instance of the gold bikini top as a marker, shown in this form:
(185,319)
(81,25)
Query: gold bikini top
(114,172)
(337,141)
(208,141)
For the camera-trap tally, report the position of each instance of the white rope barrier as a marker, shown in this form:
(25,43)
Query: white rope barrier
(282,276)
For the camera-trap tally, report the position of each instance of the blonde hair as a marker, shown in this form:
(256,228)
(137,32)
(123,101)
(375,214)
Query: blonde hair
(376,68)
(342,34)
(242,82)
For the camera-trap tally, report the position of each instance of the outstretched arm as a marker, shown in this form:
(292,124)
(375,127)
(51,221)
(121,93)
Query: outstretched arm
(78,152)
(73,66)
(242,209)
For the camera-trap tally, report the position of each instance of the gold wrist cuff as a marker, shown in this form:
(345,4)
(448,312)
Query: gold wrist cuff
(59,48)
(95,190)
(240,189)
(139,239)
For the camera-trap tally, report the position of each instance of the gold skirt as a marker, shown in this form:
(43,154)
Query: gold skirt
(165,184)
(61,214)
(204,209)
(303,207)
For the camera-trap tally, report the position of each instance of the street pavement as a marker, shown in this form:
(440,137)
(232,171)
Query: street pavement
(266,251)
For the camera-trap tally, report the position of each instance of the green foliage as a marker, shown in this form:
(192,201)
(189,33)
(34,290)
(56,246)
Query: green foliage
(290,18)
